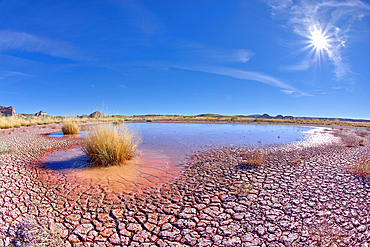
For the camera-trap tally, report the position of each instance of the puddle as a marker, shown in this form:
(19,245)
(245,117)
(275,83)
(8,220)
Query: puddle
(150,168)
(71,159)
(164,147)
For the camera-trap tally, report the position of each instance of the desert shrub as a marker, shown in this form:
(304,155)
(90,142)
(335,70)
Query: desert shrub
(30,233)
(4,148)
(348,142)
(111,145)
(361,134)
(118,122)
(253,158)
(245,189)
(362,166)
(70,128)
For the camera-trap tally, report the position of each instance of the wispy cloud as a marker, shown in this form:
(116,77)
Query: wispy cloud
(212,54)
(6,73)
(12,40)
(246,75)
(301,66)
(237,55)
(334,17)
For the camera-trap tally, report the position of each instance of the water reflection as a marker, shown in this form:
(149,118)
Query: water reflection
(145,169)
(176,140)
(164,146)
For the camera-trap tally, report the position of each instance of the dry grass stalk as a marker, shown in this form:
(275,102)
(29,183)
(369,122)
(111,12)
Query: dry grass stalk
(327,234)
(296,161)
(254,158)
(348,142)
(30,233)
(362,166)
(111,145)
(70,128)
(361,134)
(245,189)
(5,148)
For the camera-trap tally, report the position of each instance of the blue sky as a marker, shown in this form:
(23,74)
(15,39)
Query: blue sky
(300,58)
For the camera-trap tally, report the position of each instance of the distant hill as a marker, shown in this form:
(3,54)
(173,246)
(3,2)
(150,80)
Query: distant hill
(10,111)
(267,116)
(7,111)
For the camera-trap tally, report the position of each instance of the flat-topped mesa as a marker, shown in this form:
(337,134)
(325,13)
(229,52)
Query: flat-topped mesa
(41,114)
(7,111)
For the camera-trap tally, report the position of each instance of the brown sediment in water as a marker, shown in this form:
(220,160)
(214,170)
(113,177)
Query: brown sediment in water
(149,169)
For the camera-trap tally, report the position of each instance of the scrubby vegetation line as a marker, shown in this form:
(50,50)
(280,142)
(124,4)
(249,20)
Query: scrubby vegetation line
(15,121)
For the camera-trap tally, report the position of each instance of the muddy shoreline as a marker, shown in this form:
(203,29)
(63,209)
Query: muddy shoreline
(301,196)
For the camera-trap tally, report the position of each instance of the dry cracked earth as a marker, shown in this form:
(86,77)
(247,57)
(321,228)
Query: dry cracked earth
(300,196)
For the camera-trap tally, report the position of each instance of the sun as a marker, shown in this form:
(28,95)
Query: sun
(319,40)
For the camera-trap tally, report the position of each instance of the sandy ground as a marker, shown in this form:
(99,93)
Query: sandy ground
(303,195)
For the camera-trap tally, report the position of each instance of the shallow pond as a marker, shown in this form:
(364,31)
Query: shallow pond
(164,146)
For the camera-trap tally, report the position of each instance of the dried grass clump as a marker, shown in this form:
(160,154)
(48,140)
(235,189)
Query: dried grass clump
(348,142)
(70,128)
(328,234)
(361,142)
(5,148)
(361,134)
(362,166)
(111,145)
(255,158)
(30,233)
(118,122)
(296,161)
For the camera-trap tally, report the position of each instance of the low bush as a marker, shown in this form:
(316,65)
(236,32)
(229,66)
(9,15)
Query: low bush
(348,142)
(111,145)
(253,158)
(362,166)
(30,233)
(361,134)
(70,128)
(4,148)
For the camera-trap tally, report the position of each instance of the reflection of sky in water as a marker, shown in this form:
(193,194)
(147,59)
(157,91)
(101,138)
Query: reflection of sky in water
(176,140)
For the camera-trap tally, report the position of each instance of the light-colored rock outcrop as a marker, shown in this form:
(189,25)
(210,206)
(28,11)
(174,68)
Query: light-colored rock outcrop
(7,111)
(97,114)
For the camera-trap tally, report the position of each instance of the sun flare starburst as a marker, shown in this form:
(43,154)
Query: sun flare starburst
(319,40)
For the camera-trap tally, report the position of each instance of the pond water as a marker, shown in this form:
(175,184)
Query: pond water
(165,146)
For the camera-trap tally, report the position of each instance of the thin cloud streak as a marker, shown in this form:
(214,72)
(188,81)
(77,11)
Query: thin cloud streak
(246,75)
(6,73)
(301,66)
(12,40)
(305,16)
(216,54)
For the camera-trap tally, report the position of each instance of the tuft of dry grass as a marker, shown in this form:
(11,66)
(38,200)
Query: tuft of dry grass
(70,128)
(245,189)
(348,142)
(255,158)
(30,233)
(118,122)
(4,148)
(111,145)
(296,161)
(362,166)
(361,142)
(361,134)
